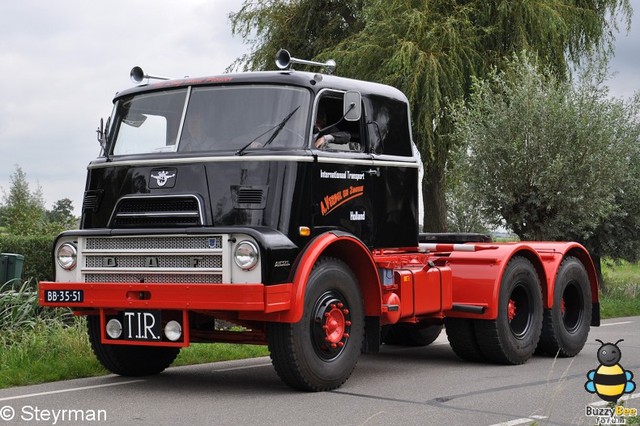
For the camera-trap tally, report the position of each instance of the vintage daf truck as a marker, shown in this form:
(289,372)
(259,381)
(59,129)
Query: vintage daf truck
(228,198)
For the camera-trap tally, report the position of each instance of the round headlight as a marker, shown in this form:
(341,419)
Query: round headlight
(114,328)
(67,256)
(246,255)
(173,330)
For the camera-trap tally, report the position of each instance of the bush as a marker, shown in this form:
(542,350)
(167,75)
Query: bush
(38,261)
(19,309)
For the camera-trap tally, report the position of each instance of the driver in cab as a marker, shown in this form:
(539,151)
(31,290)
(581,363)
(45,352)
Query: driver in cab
(325,136)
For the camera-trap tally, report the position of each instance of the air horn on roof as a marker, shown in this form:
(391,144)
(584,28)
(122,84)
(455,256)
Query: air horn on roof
(284,61)
(137,75)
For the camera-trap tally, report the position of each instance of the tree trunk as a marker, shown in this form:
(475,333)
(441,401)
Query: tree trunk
(435,208)
(597,262)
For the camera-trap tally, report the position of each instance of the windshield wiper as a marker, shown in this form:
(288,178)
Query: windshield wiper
(277,127)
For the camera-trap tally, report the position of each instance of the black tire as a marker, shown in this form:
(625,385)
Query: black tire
(308,356)
(412,334)
(462,338)
(565,326)
(129,361)
(513,336)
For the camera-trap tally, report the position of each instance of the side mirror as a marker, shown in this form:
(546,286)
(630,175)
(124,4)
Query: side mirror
(352,106)
(102,137)
(103,134)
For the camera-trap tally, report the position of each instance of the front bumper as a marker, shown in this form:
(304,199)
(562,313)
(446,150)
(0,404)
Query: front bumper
(249,298)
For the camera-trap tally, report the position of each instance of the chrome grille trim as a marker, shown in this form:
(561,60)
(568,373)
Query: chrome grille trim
(161,258)
(166,261)
(153,278)
(167,243)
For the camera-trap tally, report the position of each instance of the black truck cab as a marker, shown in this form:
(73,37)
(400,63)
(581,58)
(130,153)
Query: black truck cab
(238,151)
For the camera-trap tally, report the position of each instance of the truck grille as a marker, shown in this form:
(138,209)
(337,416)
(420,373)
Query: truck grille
(153,259)
(153,278)
(157,212)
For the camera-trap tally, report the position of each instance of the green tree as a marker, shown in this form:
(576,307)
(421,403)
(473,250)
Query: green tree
(61,217)
(552,159)
(430,49)
(24,212)
(304,27)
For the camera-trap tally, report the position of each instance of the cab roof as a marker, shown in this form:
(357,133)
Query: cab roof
(313,81)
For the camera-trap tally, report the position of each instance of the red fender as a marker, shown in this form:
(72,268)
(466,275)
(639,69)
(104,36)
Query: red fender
(477,275)
(350,250)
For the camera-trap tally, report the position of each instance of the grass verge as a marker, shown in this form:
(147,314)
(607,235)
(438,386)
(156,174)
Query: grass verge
(621,297)
(52,351)
(47,352)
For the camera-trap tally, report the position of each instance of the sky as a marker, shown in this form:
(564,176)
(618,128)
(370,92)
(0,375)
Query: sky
(62,61)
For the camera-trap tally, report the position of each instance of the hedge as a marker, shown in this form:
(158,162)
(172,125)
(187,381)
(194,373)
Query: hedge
(38,261)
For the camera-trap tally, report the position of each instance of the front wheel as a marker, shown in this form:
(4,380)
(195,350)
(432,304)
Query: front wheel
(513,336)
(129,360)
(320,351)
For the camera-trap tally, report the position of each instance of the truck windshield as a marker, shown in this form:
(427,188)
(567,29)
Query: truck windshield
(229,118)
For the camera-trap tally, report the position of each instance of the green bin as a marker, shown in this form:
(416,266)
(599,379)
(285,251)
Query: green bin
(10,267)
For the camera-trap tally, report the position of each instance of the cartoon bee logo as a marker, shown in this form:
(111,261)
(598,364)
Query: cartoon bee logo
(609,380)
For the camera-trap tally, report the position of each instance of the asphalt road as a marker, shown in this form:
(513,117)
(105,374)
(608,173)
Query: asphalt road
(424,386)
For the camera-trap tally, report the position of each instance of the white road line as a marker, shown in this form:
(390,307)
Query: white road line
(521,421)
(9,398)
(240,368)
(616,323)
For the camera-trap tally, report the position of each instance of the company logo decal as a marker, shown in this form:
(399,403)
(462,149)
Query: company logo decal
(357,216)
(331,202)
(341,175)
(163,177)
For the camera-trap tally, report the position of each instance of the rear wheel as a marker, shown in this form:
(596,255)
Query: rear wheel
(513,336)
(320,351)
(566,325)
(462,338)
(412,334)
(129,360)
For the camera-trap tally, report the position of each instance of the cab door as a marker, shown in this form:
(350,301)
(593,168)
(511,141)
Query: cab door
(343,175)
(394,191)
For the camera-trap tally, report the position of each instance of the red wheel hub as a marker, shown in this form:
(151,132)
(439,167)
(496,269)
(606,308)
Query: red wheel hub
(335,325)
(330,326)
(511,310)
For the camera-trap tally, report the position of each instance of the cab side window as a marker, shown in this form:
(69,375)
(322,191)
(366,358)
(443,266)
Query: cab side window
(331,132)
(388,126)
